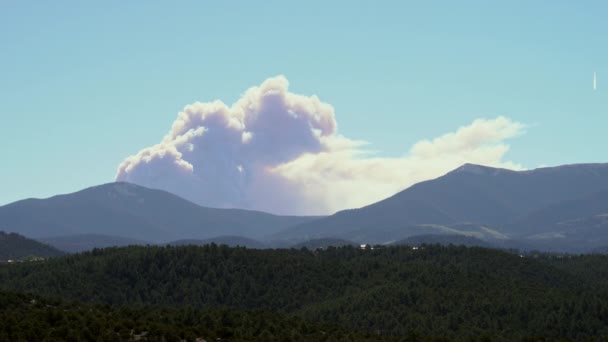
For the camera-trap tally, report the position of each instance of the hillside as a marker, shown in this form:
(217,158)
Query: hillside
(453,292)
(16,247)
(135,212)
(503,201)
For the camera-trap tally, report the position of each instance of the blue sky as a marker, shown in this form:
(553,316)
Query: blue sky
(84,85)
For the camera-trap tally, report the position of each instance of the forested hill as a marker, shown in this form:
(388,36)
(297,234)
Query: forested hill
(15,247)
(453,292)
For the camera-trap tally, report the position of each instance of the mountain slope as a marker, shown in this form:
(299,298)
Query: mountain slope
(15,247)
(354,224)
(548,219)
(471,193)
(135,212)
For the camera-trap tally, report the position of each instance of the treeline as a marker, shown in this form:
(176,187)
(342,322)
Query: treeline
(441,292)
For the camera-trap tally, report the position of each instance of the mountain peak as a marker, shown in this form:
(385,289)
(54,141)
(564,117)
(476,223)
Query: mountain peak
(117,186)
(478,169)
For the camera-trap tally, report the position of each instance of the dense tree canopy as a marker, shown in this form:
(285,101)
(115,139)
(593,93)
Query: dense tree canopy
(30,318)
(452,292)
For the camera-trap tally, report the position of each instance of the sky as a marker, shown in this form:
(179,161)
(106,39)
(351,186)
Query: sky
(84,87)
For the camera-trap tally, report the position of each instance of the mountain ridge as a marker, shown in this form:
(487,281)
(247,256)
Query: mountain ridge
(132,211)
(476,200)
(469,194)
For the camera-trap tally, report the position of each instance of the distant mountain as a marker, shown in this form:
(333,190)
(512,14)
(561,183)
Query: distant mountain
(323,243)
(81,243)
(496,199)
(16,247)
(556,208)
(231,241)
(135,212)
(444,240)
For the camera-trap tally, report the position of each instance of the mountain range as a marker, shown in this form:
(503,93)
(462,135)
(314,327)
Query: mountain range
(134,212)
(556,205)
(562,208)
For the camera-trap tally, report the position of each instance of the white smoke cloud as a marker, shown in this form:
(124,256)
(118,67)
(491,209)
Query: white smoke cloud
(280,152)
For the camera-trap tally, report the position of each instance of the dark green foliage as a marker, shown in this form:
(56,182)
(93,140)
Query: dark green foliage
(30,318)
(16,247)
(592,269)
(451,292)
